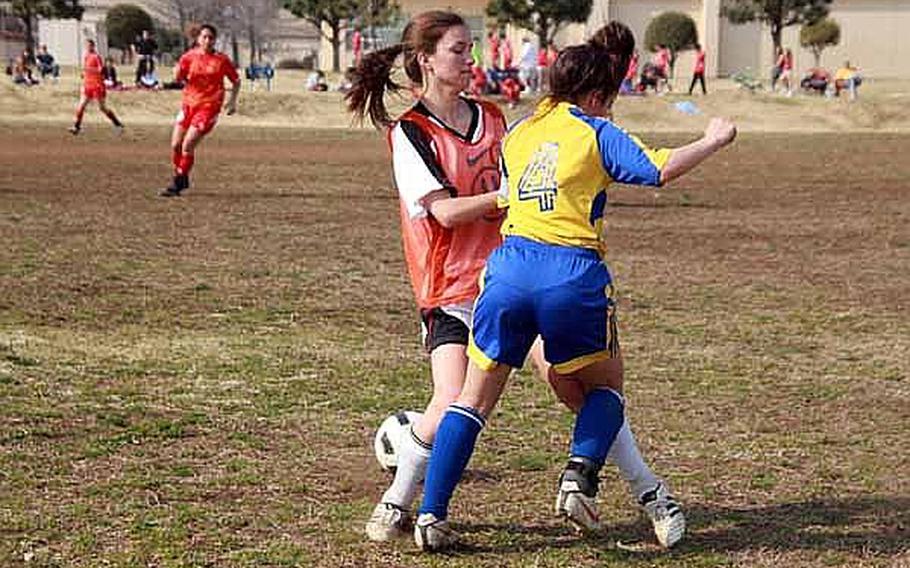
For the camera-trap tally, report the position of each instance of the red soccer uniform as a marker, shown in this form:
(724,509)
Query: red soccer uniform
(700,62)
(203,93)
(203,74)
(93,76)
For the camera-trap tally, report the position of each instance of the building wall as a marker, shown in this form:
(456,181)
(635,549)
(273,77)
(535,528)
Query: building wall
(873,35)
(65,38)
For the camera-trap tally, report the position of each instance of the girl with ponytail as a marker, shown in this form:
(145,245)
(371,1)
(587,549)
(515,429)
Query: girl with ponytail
(445,152)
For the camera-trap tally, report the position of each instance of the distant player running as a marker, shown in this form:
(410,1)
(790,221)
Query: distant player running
(202,70)
(549,278)
(93,88)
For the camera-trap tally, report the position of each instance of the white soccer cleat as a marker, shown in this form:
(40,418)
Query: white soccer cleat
(665,513)
(432,534)
(575,499)
(388,522)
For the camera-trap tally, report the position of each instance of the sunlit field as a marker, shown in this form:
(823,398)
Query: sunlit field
(197,381)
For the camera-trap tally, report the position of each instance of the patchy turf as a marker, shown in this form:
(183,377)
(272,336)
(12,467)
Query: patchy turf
(196,381)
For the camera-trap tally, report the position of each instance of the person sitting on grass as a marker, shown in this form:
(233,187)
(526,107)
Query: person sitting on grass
(816,81)
(22,73)
(847,78)
(46,64)
(315,81)
(109,72)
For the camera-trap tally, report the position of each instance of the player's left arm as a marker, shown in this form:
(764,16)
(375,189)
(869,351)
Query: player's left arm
(231,73)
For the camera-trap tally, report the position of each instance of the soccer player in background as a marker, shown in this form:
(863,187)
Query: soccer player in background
(549,279)
(202,70)
(93,88)
(445,154)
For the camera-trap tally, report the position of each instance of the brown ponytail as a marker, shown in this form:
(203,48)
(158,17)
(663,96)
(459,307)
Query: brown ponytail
(373,77)
(369,82)
(598,65)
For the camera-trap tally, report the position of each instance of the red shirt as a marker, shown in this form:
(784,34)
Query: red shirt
(92,67)
(204,75)
(700,62)
(662,60)
(633,68)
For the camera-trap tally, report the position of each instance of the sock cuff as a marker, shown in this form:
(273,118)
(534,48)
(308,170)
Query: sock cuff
(420,444)
(467,412)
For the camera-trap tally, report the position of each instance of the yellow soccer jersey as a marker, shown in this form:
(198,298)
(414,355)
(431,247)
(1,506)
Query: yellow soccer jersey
(556,167)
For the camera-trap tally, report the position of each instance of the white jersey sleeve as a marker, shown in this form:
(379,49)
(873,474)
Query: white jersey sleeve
(414,165)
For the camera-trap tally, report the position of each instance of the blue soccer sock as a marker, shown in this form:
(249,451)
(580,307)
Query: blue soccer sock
(452,450)
(597,424)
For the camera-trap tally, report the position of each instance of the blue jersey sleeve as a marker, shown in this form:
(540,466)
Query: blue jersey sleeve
(626,159)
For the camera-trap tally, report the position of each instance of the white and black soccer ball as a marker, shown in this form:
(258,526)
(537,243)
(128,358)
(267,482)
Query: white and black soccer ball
(393,431)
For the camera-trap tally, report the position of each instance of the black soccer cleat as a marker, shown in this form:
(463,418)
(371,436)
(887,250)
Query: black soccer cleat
(179,183)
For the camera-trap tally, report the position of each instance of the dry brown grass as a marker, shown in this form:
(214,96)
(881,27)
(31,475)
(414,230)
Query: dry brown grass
(196,381)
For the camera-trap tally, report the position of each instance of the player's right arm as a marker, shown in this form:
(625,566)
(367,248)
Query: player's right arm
(718,134)
(424,187)
(181,72)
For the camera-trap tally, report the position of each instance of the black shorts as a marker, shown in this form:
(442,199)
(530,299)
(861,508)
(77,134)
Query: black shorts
(441,328)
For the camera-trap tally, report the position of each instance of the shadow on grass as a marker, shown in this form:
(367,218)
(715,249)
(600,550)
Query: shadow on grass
(862,526)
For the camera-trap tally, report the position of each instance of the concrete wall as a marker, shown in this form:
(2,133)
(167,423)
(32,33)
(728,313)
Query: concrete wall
(65,39)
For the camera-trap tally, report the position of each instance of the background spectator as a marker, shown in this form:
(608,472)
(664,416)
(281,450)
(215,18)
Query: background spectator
(22,73)
(816,81)
(493,44)
(628,83)
(506,53)
(315,81)
(145,48)
(698,73)
(527,64)
(357,45)
(775,69)
(109,72)
(847,78)
(46,64)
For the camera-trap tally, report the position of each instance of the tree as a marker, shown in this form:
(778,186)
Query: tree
(776,14)
(250,18)
(818,36)
(542,17)
(675,31)
(124,23)
(28,10)
(338,15)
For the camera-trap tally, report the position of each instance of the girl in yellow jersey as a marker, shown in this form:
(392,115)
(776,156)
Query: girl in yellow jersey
(548,278)
(445,161)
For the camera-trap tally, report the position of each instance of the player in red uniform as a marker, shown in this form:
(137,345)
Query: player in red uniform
(202,70)
(93,88)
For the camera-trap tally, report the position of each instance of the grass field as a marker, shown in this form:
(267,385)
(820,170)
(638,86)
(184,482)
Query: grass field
(196,382)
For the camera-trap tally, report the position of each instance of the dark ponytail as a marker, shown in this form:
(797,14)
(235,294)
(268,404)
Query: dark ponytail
(373,77)
(596,66)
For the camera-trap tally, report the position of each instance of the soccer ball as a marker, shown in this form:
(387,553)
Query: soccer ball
(391,434)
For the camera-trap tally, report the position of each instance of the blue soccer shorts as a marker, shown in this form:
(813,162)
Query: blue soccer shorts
(563,294)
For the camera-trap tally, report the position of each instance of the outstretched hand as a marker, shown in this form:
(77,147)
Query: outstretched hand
(720,132)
